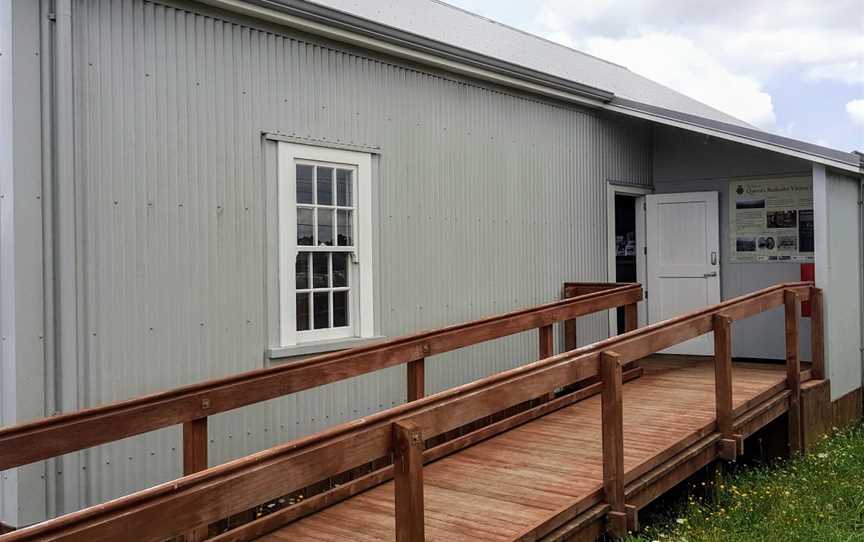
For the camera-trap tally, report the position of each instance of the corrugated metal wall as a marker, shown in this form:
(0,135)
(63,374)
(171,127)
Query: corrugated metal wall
(688,162)
(840,264)
(487,201)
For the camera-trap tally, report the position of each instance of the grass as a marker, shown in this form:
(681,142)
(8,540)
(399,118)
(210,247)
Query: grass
(817,497)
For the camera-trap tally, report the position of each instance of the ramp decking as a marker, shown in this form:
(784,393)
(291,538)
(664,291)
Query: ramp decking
(524,483)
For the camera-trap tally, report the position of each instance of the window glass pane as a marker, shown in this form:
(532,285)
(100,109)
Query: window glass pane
(340,269)
(305,184)
(325,227)
(302,312)
(345,234)
(305,226)
(325,186)
(321,305)
(340,309)
(302,271)
(343,187)
(320,270)
(325,202)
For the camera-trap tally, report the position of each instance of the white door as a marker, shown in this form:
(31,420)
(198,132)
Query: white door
(683,244)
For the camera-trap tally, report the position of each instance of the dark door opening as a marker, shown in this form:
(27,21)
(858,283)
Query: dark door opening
(625,245)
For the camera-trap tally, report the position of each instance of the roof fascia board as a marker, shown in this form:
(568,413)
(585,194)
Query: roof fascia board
(667,120)
(341,27)
(744,131)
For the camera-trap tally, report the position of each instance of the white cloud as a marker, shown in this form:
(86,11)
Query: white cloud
(767,49)
(681,64)
(729,54)
(851,73)
(823,40)
(720,53)
(855,108)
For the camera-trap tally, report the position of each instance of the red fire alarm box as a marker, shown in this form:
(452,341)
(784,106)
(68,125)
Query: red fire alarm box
(808,273)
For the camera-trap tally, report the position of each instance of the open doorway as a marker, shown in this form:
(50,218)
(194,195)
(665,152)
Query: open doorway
(625,247)
(626,240)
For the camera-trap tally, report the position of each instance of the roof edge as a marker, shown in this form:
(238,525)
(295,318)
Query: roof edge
(341,26)
(386,34)
(848,161)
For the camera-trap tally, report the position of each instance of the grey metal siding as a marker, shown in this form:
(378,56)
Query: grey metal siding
(486,201)
(686,162)
(841,265)
(22,344)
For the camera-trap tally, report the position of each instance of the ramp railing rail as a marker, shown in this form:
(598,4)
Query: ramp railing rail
(190,406)
(178,506)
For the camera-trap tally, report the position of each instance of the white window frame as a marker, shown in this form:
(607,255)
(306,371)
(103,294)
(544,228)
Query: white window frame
(361,317)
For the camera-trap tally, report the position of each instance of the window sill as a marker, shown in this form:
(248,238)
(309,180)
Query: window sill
(319,347)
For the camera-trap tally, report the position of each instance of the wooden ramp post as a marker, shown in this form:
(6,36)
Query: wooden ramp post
(729,443)
(546,349)
(408,481)
(569,325)
(416,374)
(792,303)
(631,317)
(569,335)
(816,408)
(631,323)
(612,420)
(195,460)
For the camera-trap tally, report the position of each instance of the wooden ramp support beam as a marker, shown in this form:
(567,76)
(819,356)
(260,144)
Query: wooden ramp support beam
(408,481)
(546,349)
(816,412)
(817,334)
(631,323)
(631,317)
(195,460)
(729,442)
(792,303)
(816,408)
(612,420)
(194,446)
(569,335)
(416,374)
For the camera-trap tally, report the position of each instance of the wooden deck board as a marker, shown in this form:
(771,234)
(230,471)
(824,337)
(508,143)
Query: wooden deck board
(509,484)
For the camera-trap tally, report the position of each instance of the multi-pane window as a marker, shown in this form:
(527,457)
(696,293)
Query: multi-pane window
(325,243)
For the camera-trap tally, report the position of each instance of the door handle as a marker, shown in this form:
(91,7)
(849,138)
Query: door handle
(711,274)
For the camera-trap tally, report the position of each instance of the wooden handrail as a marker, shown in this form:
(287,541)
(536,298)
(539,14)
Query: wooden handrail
(207,496)
(575,289)
(661,335)
(729,444)
(58,435)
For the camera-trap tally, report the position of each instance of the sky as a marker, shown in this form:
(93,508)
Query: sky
(795,68)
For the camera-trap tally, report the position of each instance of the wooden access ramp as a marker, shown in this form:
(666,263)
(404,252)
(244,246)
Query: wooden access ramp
(544,478)
(567,447)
